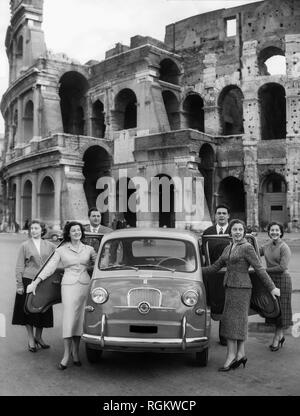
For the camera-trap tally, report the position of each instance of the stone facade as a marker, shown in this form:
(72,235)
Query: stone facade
(199,105)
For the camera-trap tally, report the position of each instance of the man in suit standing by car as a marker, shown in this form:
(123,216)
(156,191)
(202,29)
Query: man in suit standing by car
(95,222)
(222,214)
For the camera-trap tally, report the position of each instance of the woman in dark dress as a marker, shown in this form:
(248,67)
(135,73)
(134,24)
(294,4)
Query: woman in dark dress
(238,257)
(278,254)
(32,255)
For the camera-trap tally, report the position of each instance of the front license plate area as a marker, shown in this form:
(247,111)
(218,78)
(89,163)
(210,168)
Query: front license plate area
(143,329)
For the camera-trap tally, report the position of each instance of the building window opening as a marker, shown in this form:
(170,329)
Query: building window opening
(27,202)
(28,122)
(172,109)
(232,193)
(206,168)
(194,112)
(46,197)
(272,111)
(275,184)
(169,72)
(125,114)
(231,27)
(98,124)
(126,203)
(166,202)
(231,111)
(272,61)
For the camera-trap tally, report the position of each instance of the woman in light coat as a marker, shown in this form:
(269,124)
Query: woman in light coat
(75,258)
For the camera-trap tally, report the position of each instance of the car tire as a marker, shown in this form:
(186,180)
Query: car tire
(93,356)
(202,358)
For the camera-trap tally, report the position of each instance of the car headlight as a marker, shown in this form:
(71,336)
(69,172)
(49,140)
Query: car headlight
(99,295)
(190,298)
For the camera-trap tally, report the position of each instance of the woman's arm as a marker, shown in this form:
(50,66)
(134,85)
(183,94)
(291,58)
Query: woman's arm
(47,271)
(254,261)
(217,265)
(20,267)
(285,257)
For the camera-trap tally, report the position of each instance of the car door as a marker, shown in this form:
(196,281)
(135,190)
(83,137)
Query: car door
(48,292)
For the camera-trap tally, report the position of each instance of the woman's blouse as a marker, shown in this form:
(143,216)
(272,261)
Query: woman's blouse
(277,255)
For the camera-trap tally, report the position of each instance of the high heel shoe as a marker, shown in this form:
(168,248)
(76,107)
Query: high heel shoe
(242,360)
(32,349)
(77,363)
(229,367)
(60,366)
(280,344)
(42,345)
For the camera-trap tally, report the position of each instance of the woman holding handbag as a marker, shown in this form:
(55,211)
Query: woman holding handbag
(32,255)
(238,257)
(278,254)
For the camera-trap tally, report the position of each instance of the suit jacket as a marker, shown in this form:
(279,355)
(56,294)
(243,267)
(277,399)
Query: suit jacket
(30,261)
(237,260)
(101,229)
(216,247)
(213,230)
(75,264)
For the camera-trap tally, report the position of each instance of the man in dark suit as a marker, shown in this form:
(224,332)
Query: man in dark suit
(222,214)
(95,222)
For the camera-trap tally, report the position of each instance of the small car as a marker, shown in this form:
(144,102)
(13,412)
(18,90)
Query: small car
(53,235)
(147,294)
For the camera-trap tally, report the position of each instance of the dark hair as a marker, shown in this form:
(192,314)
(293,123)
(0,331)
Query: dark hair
(279,225)
(41,224)
(237,221)
(68,227)
(222,206)
(93,209)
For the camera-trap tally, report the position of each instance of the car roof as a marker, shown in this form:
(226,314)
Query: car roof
(151,233)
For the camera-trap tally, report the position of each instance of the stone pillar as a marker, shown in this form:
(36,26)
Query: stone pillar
(252,117)
(51,115)
(211,110)
(89,116)
(34,206)
(57,199)
(251,181)
(18,200)
(293,180)
(20,130)
(250,68)
(36,114)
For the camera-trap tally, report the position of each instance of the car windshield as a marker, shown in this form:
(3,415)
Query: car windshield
(148,253)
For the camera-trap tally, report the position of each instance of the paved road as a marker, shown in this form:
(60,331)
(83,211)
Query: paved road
(24,373)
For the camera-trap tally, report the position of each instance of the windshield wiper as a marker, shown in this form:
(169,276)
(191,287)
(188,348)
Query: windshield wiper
(119,266)
(155,265)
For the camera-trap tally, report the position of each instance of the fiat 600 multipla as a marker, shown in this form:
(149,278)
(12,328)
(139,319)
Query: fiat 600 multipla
(147,294)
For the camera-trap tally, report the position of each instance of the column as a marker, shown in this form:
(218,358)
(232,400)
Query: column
(36,114)
(18,200)
(211,110)
(57,199)
(20,128)
(251,181)
(34,207)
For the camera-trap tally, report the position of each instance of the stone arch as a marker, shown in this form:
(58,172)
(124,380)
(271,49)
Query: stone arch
(125,113)
(193,112)
(273,199)
(264,59)
(230,103)
(97,164)
(166,200)
(272,103)
(28,121)
(172,109)
(98,122)
(72,91)
(231,192)
(126,211)
(169,71)
(46,197)
(27,201)
(206,168)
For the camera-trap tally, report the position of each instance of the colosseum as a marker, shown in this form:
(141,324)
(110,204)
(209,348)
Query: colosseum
(200,104)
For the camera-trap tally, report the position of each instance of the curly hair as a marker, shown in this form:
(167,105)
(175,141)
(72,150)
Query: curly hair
(41,224)
(279,225)
(68,227)
(237,221)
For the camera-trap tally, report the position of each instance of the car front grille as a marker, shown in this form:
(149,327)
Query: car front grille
(150,295)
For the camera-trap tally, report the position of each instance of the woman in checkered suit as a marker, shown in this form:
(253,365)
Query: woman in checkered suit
(277,254)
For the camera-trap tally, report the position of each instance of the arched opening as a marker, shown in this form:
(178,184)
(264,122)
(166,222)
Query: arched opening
(27,202)
(163,187)
(231,110)
(28,122)
(194,112)
(172,108)
(73,87)
(169,72)
(206,168)
(273,201)
(125,114)
(96,165)
(12,204)
(272,61)
(272,111)
(232,193)
(126,201)
(98,123)
(46,198)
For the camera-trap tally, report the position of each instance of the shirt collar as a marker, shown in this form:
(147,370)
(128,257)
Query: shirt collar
(81,247)
(219,228)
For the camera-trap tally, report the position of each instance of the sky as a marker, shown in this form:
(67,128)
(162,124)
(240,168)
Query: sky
(84,30)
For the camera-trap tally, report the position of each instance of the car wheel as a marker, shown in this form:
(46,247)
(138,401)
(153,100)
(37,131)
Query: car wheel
(202,358)
(93,356)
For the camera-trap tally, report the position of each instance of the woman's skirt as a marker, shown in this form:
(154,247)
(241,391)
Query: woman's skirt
(284,283)
(73,300)
(20,317)
(235,314)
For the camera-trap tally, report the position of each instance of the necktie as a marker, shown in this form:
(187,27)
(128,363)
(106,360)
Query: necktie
(221,231)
